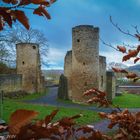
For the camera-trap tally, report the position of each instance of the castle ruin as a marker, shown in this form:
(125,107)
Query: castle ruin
(29,66)
(83,67)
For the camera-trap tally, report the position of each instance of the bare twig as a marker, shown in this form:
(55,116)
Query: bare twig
(136,28)
(120,29)
(108,44)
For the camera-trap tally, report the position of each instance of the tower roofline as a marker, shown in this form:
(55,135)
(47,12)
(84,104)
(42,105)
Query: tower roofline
(24,43)
(86,27)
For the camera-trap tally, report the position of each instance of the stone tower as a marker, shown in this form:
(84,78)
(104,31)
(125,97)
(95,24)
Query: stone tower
(28,64)
(85,60)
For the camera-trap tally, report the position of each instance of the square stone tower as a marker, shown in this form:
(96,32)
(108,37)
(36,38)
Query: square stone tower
(28,64)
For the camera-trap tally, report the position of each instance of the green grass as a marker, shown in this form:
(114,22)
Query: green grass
(127,101)
(11,105)
(33,96)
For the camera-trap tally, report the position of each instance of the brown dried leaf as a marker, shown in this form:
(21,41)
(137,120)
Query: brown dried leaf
(19,119)
(131,75)
(122,49)
(22,18)
(6,16)
(41,11)
(50,117)
(102,115)
(136,60)
(41,2)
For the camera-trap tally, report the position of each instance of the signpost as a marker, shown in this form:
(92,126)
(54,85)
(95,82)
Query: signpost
(1,107)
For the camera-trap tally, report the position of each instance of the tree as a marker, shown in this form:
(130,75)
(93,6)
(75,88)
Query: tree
(18,34)
(14,10)
(129,51)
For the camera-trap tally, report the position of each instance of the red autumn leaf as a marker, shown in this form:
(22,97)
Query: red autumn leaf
(66,122)
(7,1)
(1,24)
(89,92)
(133,53)
(25,2)
(125,58)
(115,69)
(102,115)
(19,119)
(41,11)
(122,49)
(21,17)
(11,1)
(136,60)
(131,75)
(14,1)
(119,70)
(50,117)
(41,2)
(6,16)
(138,117)
(52,1)
(138,48)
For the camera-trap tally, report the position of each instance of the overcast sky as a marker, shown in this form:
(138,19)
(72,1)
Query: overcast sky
(69,13)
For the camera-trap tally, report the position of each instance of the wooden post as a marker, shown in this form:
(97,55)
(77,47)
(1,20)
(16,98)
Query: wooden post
(1,104)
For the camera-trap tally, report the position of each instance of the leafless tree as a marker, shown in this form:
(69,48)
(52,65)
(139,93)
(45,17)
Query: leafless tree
(18,34)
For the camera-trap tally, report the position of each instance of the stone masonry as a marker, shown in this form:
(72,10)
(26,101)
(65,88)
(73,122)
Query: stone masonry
(28,64)
(83,67)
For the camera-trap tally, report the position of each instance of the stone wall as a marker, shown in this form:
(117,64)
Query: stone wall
(28,64)
(63,88)
(68,72)
(10,82)
(111,85)
(102,76)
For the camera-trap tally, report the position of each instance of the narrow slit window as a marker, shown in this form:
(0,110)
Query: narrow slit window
(101,81)
(78,40)
(23,62)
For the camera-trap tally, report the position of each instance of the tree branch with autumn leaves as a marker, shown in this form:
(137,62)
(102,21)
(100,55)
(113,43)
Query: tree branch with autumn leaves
(10,14)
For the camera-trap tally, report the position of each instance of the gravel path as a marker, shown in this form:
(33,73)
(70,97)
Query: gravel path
(51,99)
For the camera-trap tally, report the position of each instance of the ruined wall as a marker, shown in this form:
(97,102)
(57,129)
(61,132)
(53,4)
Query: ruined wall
(68,71)
(85,60)
(110,85)
(10,82)
(102,76)
(28,64)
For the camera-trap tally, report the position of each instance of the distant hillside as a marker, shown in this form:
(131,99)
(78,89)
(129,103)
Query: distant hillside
(116,65)
(134,68)
(52,72)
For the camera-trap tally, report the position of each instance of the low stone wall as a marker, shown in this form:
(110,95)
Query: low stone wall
(10,82)
(129,89)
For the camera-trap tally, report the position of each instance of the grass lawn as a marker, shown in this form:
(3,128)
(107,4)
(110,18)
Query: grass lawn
(127,101)
(10,105)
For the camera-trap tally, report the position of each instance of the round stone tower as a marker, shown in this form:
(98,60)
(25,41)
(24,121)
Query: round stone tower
(85,60)
(28,64)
